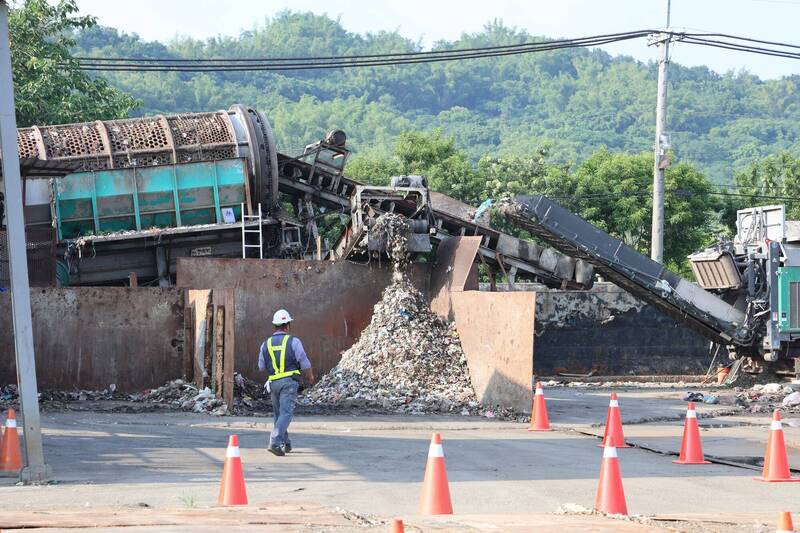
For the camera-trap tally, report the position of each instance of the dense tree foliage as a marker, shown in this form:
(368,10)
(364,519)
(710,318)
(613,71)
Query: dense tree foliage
(571,101)
(612,190)
(48,88)
(776,176)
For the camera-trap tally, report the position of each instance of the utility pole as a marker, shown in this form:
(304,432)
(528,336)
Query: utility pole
(660,160)
(35,469)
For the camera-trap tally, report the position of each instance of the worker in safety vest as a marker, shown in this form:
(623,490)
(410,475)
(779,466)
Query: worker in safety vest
(283,357)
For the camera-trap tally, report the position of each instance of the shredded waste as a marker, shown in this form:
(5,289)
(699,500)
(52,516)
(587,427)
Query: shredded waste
(408,359)
(178,394)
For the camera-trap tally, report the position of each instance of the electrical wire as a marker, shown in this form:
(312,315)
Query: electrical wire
(368,56)
(143,64)
(283,63)
(741,47)
(675,192)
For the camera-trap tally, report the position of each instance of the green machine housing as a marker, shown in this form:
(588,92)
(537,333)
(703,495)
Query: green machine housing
(789,299)
(140,198)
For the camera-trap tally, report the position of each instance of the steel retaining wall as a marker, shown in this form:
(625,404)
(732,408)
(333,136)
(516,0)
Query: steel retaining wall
(91,337)
(331,301)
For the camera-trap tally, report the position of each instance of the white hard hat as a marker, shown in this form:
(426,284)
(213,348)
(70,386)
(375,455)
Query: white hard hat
(281,317)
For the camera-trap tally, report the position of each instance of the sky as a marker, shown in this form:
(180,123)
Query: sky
(429,21)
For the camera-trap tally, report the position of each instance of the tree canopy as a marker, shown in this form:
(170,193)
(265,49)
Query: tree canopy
(572,101)
(48,88)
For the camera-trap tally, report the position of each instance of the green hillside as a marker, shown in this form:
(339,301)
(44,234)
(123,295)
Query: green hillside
(570,102)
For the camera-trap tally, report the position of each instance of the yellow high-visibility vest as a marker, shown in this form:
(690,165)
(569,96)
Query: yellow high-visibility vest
(279,371)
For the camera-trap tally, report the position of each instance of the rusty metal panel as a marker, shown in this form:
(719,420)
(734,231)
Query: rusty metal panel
(330,301)
(91,337)
(496,330)
(455,271)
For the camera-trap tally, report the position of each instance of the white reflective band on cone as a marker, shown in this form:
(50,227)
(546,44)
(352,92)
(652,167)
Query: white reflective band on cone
(609,451)
(539,391)
(436,450)
(613,403)
(691,413)
(233,451)
(11,423)
(776,424)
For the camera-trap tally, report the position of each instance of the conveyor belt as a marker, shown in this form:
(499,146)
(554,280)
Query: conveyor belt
(500,250)
(644,278)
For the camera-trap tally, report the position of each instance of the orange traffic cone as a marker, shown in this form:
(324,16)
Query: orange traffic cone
(610,496)
(10,456)
(691,447)
(613,425)
(776,462)
(435,490)
(232,490)
(397,526)
(539,419)
(785,523)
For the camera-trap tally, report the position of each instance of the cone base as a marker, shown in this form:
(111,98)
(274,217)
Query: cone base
(601,445)
(787,480)
(703,462)
(534,429)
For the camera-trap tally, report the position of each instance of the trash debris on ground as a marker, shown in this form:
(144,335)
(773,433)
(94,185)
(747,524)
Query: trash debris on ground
(176,394)
(791,400)
(179,394)
(710,399)
(765,398)
(693,397)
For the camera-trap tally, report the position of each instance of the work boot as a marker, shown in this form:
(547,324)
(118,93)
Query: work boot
(274,449)
(287,447)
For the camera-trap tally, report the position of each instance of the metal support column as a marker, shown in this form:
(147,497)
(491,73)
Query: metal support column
(35,469)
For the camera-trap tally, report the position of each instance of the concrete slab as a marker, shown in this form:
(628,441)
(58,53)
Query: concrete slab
(368,464)
(570,407)
(373,465)
(654,419)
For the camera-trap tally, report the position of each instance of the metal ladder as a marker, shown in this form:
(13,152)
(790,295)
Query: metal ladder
(250,219)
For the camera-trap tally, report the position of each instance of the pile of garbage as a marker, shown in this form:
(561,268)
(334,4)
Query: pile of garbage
(764,398)
(9,396)
(408,359)
(249,397)
(181,395)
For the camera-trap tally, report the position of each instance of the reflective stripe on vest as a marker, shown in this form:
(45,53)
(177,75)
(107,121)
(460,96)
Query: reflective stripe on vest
(279,372)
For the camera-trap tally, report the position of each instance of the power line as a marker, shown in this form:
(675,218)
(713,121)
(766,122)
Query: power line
(144,64)
(636,33)
(302,63)
(675,192)
(738,38)
(741,47)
